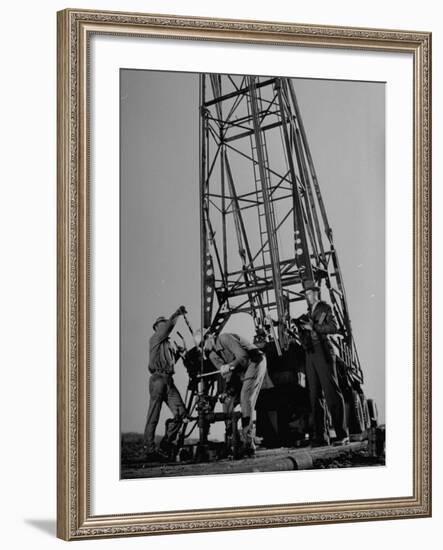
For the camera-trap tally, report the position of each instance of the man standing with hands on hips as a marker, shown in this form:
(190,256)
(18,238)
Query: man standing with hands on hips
(321,372)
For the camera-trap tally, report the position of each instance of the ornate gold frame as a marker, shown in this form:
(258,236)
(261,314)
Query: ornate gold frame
(74,518)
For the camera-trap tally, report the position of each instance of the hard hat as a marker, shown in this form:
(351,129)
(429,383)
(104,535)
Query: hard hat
(158,320)
(310,285)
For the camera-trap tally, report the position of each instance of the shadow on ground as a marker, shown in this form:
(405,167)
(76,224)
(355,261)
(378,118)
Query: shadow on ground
(48,526)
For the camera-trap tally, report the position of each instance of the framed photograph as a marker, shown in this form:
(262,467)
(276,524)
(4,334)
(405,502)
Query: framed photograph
(243,274)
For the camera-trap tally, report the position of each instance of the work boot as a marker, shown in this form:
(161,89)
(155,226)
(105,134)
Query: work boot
(321,442)
(156,456)
(248,443)
(168,449)
(341,441)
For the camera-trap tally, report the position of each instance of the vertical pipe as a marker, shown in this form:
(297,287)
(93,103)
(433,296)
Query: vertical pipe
(215,81)
(270,226)
(307,183)
(202,178)
(223,192)
(203,139)
(299,228)
(223,185)
(310,161)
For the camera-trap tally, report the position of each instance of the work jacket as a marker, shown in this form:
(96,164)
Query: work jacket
(324,324)
(161,353)
(236,351)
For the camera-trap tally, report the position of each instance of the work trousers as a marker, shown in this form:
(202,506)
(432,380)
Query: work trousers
(163,390)
(321,374)
(251,383)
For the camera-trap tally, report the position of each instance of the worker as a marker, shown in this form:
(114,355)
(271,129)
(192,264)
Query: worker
(235,356)
(162,389)
(321,372)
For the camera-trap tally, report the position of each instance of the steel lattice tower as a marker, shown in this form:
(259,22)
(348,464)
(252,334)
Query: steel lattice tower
(264,227)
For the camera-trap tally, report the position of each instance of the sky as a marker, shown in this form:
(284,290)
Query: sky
(159,217)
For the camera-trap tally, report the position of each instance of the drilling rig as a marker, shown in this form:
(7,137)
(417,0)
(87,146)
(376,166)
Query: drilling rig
(264,233)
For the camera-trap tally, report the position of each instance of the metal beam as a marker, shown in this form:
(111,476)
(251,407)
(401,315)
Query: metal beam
(237,93)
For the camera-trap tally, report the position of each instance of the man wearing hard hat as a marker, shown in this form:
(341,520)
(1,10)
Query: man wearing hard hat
(321,370)
(162,388)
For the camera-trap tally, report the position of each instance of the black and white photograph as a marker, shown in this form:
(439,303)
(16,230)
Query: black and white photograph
(252,274)
(220,241)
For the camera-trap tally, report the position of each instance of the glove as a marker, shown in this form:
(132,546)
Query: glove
(225,370)
(182,310)
(197,337)
(222,397)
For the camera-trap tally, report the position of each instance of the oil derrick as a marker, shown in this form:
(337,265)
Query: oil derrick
(264,227)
